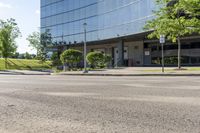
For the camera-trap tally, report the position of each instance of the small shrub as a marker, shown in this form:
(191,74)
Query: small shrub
(108,59)
(98,59)
(72,57)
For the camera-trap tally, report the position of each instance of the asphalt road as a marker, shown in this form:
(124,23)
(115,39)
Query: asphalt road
(72,104)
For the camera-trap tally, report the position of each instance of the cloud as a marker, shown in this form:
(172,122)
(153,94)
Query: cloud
(3,5)
(37,11)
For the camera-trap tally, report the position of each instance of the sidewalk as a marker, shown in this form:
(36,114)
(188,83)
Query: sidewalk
(129,71)
(24,72)
(135,71)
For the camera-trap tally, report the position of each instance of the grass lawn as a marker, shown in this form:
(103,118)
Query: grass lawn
(193,68)
(24,64)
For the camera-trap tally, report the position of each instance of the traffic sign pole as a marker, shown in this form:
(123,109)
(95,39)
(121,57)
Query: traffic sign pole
(163,62)
(162,41)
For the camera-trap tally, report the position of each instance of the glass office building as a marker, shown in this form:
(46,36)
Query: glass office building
(112,20)
(105,18)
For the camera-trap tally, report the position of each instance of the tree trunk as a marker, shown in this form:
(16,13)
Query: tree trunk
(179,53)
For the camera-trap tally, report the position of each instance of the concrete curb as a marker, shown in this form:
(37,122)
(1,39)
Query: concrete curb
(22,73)
(100,74)
(91,74)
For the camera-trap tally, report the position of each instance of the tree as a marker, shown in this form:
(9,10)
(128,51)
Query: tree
(28,56)
(39,42)
(34,42)
(55,59)
(9,32)
(175,19)
(191,8)
(15,55)
(72,57)
(46,40)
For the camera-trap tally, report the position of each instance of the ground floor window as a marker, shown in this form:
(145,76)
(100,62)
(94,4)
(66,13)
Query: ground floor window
(195,60)
(190,52)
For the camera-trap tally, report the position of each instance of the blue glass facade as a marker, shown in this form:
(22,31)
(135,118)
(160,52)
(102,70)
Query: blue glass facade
(105,18)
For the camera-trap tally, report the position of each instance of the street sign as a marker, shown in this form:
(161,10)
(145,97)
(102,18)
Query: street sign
(147,53)
(162,39)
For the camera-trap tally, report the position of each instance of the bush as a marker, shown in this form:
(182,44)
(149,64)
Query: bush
(98,59)
(72,57)
(171,60)
(55,59)
(108,59)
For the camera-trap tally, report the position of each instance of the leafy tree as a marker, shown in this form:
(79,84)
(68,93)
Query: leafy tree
(9,32)
(175,19)
(191,8)
(55,59)
(71,56)
(34,42)
(98,59)
(22,56)
(28,56)
(39,42)
(46,40)
(15,55)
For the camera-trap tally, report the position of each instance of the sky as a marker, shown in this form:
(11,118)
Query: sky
(27,15)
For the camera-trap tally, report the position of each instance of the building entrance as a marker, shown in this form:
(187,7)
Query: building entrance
(116,56)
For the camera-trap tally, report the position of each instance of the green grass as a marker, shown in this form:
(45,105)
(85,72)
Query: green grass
(194,69)
(24,64)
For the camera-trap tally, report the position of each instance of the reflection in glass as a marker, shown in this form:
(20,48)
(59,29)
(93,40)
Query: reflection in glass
(105,18)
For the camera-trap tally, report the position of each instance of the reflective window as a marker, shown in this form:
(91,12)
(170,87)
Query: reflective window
(105,18)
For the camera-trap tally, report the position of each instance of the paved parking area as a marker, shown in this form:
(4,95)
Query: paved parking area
(78,104)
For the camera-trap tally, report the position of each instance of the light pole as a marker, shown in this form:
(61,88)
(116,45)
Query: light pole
(85,48)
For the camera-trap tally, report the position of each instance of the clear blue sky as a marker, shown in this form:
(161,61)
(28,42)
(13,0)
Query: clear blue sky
(27,15)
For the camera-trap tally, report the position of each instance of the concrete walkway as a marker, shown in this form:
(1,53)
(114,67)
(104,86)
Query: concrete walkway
(136,71)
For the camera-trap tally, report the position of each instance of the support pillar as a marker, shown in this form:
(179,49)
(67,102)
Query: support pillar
(120,47)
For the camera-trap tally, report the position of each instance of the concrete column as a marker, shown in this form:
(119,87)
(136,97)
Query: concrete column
(113,56)
(120,47)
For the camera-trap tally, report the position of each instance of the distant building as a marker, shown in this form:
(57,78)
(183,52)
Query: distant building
(114,27)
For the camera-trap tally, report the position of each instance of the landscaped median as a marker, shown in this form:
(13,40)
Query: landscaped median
(24,64)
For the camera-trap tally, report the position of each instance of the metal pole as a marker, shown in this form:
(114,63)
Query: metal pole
(163,62)
(85,48)
(179,53)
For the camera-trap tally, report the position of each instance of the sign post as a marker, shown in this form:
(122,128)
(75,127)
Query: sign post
(162,41)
